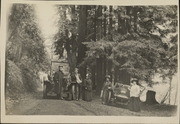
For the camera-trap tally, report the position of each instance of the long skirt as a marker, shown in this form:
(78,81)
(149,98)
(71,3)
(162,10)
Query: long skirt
(48,86)
(58,90)
(134,104)
(88,95)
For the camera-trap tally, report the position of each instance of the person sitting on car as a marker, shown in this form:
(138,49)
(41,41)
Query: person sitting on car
(108,82)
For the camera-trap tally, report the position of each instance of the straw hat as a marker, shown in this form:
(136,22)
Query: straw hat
(108,76)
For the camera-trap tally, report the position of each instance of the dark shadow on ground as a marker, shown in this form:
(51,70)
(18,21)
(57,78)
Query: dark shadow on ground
(150,108)
(119,105)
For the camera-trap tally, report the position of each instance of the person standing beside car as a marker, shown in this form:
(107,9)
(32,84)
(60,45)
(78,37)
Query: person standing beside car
(78,84)
(58,81)
(134,102)
(107,84)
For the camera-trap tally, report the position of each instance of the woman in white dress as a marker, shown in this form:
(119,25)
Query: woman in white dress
(134,103)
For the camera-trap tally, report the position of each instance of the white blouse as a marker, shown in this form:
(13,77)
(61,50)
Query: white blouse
(135,91)
(78,79)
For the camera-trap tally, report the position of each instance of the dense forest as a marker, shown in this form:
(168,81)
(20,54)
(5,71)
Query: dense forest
(122,41)
(25,51)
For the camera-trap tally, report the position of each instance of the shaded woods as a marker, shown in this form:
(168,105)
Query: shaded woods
(122,41)
(25,51)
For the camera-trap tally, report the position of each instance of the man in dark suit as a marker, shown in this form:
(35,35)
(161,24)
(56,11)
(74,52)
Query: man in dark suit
(58,80)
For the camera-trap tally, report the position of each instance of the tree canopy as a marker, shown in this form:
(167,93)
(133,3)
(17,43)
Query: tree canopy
(141,40)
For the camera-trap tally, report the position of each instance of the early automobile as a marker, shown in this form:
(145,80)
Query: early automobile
(118,94)
(48,89)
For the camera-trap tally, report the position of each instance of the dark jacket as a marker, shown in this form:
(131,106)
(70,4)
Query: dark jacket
(88,84)
(58,76)
(58,80)
(87,90)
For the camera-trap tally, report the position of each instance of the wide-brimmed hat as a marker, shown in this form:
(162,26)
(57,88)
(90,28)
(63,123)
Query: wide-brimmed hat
(108,76)
(134,79)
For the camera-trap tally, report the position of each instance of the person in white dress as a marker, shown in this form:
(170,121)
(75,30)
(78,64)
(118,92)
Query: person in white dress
(134,102)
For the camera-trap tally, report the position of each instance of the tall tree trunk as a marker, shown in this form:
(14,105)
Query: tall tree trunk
(99,75)
(105,31)
(103,69)
(99,23)
(110,28)
(122,22)
(135,18)
(119,22)
(105,22)
(71,45)
(95,25)
(116,74)
(110,23)
(128,21)
(82,29)
(94,38)
(100,67)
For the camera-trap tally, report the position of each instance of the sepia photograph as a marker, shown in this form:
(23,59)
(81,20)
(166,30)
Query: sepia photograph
(90,60)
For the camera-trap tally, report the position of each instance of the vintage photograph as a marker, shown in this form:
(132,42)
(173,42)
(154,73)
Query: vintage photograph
(91,60)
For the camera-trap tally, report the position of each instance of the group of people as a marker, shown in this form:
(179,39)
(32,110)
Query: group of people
(135,92)
(83,88)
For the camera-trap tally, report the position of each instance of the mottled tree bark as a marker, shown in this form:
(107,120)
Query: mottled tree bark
(82,31)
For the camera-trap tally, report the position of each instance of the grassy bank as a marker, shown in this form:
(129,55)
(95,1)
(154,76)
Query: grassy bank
(19,81)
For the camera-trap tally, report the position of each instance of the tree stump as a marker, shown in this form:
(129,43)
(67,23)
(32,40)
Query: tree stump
(150,98)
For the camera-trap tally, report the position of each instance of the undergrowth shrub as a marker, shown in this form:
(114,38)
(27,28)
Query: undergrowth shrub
(13,80)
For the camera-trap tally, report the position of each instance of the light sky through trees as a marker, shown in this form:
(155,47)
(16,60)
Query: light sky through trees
(47,17)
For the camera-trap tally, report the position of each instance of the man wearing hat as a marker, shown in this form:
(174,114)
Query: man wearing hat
(58,80)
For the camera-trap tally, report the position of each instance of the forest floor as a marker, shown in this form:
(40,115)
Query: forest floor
(34,104)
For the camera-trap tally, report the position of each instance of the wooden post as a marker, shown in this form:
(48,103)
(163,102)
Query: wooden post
(170,90)
(176,94)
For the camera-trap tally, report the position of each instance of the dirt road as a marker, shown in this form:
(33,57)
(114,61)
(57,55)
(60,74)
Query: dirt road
(37,106)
